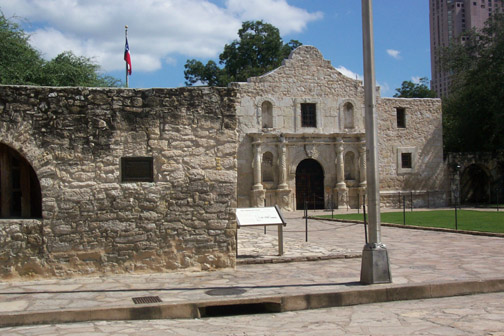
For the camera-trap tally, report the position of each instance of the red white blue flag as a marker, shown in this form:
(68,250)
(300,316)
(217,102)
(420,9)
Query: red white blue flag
(127,57)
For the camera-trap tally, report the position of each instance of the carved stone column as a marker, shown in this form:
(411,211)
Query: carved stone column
(362,170)
(341,188)
(257,194)
(256,165)
(283,194)
(282,164)
(362,163)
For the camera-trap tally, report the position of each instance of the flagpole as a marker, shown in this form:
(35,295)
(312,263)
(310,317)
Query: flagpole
(126,39)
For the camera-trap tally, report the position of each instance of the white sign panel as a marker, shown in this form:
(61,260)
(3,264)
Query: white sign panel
(258,216)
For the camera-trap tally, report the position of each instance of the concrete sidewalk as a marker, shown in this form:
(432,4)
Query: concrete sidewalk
(424,264)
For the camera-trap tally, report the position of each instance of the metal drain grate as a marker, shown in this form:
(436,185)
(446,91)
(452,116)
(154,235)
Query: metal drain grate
(146,299)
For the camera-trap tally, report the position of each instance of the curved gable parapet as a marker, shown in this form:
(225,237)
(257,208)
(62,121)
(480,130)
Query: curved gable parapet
(302,60)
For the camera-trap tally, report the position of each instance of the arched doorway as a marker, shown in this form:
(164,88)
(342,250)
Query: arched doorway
(474,185)
(20,194)
(309,185)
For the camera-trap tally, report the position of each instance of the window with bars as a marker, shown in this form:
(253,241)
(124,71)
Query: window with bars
(308,115)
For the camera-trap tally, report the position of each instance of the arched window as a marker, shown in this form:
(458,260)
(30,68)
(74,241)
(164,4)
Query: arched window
(350,166)
(267,114)
(267,167)
(348,115)
(20,195)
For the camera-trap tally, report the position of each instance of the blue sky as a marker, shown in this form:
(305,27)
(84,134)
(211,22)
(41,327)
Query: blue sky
(163,34)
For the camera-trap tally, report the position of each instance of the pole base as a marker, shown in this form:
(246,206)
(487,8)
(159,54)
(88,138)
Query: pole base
(375,267)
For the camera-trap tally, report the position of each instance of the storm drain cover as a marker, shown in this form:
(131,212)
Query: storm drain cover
(225,291)
(146,299)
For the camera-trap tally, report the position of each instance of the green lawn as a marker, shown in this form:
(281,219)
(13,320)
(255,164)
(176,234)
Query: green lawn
(486,221)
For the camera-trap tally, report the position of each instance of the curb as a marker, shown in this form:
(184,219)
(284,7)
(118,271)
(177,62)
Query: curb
(278,260)
(280,303)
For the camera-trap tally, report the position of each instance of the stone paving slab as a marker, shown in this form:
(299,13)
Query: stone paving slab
(423,264)
(462,315)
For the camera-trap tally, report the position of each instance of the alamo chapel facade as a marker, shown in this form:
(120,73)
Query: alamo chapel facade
(302,138)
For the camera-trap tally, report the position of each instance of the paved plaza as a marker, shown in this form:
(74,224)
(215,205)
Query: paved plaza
(430,262)
(460,315)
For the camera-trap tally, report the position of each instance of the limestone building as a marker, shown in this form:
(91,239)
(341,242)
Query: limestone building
(302,138)
(112,180)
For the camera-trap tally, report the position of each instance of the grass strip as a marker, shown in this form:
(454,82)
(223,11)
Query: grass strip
(471,220)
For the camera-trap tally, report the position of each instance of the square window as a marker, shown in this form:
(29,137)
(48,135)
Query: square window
(401,117)
(137,169)
(406,160)
(308,115)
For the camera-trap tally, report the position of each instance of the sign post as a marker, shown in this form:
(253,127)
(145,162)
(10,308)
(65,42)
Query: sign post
(262,217)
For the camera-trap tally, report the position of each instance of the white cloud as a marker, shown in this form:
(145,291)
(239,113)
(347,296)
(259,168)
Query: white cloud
(394,53)
(277,12)
(415,79)
(384,87)
(349,73)
(158,30)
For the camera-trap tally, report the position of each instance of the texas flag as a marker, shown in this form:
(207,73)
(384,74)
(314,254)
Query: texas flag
(127,57)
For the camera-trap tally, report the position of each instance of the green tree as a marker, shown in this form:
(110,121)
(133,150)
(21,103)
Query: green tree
(21,64)
(473,113)
(409,89)
(258,50)
(66,69)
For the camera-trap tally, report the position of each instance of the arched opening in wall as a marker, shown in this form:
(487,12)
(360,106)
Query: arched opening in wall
(474,185)
(20,194)
(267,114)
(309,185)
(267,167)
(349,164)
(348,115)
(497,191)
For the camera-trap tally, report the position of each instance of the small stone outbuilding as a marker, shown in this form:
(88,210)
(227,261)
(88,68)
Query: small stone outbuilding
(114,180)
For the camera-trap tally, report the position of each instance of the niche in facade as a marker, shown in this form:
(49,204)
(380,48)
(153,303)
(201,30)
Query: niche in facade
(348,115)
(267,114)
(350,170)
(267,167)
(20,194)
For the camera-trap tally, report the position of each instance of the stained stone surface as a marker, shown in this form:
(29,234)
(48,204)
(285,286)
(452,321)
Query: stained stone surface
(93,222)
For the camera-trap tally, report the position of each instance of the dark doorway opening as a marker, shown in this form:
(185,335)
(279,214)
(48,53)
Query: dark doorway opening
(309,185)
(474,185)
(20,194)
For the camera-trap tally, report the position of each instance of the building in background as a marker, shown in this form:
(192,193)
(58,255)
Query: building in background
(448,20)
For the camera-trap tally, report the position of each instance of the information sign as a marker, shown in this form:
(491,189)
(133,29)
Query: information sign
(258,216)
(262,217)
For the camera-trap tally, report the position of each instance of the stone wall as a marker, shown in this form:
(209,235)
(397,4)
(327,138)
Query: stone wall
(422,136)
(74,138)
(306,77)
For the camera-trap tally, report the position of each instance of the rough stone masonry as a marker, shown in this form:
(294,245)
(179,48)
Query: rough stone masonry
(173,209)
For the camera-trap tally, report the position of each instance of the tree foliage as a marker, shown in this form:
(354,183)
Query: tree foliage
(473,113)
(258,50)
(409,89)
(67,69)
(21,64)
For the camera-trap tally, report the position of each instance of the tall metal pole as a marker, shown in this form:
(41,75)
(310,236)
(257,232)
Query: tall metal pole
(375,266)
(126,40)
